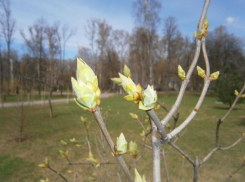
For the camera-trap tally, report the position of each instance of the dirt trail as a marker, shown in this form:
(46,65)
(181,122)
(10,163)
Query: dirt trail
(39,102)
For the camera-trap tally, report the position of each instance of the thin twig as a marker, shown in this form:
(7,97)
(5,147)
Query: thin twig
(96,144)
(107,136)
(220,121)
(176,139)
(165,108)
(87,163)
(90,152)
(209,155)
(119,177)
(147,146)
(141,124)
(234,172)
(234,144)
(175,117)
(144,151)
(182,152)
(51,169)
(165,165)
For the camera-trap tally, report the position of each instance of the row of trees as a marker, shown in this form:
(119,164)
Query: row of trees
(153,56)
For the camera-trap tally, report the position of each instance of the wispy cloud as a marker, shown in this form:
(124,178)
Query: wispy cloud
(230,20)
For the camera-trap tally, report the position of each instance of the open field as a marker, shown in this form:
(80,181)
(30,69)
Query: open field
(19,161)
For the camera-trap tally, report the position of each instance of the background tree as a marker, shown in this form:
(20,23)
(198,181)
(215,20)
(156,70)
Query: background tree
(53,66)
(174,47)
(1,77)
(103,41)
(7,29)
(91,33)
(227,84)
(35,46)
(147,18)
(63,35)
(120,40)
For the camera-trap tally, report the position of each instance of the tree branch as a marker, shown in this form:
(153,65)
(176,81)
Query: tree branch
(234,144)
(201,98)
(107,136)
(220,121)
(189,73)
(156,155)
(182,152)
(158,124)
(209,155)
(234,172)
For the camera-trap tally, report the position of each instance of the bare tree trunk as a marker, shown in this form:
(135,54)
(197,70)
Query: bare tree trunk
(1,78)
(8,76)
(50,103)
(156,155)
(11,75)
(21,118)
(196,170)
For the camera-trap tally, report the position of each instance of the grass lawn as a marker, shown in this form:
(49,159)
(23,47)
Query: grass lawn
(19,161)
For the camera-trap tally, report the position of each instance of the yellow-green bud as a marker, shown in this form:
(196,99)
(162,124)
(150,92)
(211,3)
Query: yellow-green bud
(45,164)
(138,177)
(117,81)
(64,154)
(181,73)
(148,129)
(204,30)
(236,93)
(201,72)
(86,87)
(134,91)
(84,120)
(44,180)
(122,145)
(133,149)
(134,116)
(149,99)
(63,143)
(195,34)
(93,160)
(73,140)
(157,107)
(214,76)
(142,133)
(126,71)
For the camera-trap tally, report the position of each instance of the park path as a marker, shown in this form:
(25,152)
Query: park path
(40,102)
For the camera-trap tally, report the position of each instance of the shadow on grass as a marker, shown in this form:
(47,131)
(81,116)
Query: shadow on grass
(13,165)
(242,121)
(222,107)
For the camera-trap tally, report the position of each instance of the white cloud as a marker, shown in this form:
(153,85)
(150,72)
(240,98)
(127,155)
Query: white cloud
(230,20)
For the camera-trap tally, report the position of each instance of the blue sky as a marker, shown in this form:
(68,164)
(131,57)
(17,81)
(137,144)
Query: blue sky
(119,14)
